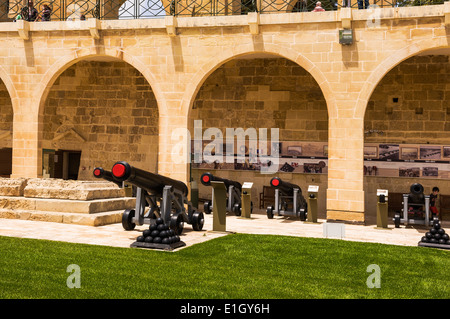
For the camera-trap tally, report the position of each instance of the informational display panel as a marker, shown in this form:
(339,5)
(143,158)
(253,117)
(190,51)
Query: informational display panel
(389,160)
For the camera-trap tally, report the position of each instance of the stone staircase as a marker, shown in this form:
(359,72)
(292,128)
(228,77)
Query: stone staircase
(93,203)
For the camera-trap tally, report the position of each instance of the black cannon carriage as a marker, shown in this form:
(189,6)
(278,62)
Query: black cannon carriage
(416,207)
(165,197)
(289,200)
(234,190)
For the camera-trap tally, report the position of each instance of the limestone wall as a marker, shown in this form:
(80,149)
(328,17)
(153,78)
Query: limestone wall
(106,110)
(411,104)
(263,93)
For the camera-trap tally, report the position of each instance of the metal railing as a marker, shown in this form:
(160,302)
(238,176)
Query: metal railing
(144,9)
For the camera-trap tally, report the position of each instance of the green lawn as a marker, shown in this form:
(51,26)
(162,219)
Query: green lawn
(234,266)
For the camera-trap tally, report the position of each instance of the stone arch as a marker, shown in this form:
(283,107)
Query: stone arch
(208,71)
(132,121)
(66,61)
(388,64)
(227,55)
(8,109)
(375,93)
(6,79)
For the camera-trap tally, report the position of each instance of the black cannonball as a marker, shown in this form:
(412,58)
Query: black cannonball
(140,239)
(149,239)
(424,239)
(441,231)
(171,232)
(165,241)
(445,237)
(146,232)
(429,235)
(162,227)
(437,236)
(155,233)
(157,240)
(153,227)
(433,230)
(433,240)
(159,221)
(177,238)
(442,241)
(163,234)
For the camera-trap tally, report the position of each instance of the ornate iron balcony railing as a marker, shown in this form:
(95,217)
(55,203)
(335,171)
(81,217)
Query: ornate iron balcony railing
(144,9)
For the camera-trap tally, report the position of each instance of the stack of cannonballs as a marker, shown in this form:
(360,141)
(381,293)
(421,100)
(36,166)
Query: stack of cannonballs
(436,236)
(158,233)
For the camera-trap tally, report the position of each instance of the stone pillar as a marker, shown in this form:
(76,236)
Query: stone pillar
(27,157)
(345,194)
(174,135)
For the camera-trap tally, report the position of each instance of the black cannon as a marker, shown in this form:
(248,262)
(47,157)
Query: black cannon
(416,207)
(289,200)
(234,190)
(416,195)
(165,197)
(99,172)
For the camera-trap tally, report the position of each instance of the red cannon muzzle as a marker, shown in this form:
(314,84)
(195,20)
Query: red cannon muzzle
(119,170)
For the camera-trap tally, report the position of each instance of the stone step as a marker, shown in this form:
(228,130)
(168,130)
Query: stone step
(97,219)
(70,189)
(67,205)
(58,188)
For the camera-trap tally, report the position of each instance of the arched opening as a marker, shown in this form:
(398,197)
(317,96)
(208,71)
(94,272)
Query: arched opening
(98,111)
(6,130)
(407,131)
(263,91)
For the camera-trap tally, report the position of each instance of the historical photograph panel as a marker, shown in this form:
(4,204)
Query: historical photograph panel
(389,152)
(409,153)
(430,152)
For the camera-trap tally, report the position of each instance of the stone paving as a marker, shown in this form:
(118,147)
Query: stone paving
(115,235)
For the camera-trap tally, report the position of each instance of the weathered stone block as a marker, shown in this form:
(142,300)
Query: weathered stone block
(69,189)
(12,186)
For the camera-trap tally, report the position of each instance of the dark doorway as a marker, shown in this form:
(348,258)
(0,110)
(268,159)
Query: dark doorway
(5,162)
(62,164)
(73,165)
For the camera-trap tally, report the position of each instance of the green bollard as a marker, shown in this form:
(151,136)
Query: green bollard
(382,208)
(311,216)
(246,200)
(219,206)
(128,189)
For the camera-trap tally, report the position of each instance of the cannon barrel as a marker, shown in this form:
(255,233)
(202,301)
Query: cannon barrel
(416,195)
(151,182)
(207,178)
(99,172)
(285,187)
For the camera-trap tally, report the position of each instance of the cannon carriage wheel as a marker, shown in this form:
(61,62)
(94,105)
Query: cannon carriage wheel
(207,207)
(177,223)
(303,215)
(237,209)
(127,219)
(197,221)
(270,212)
(397,220)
